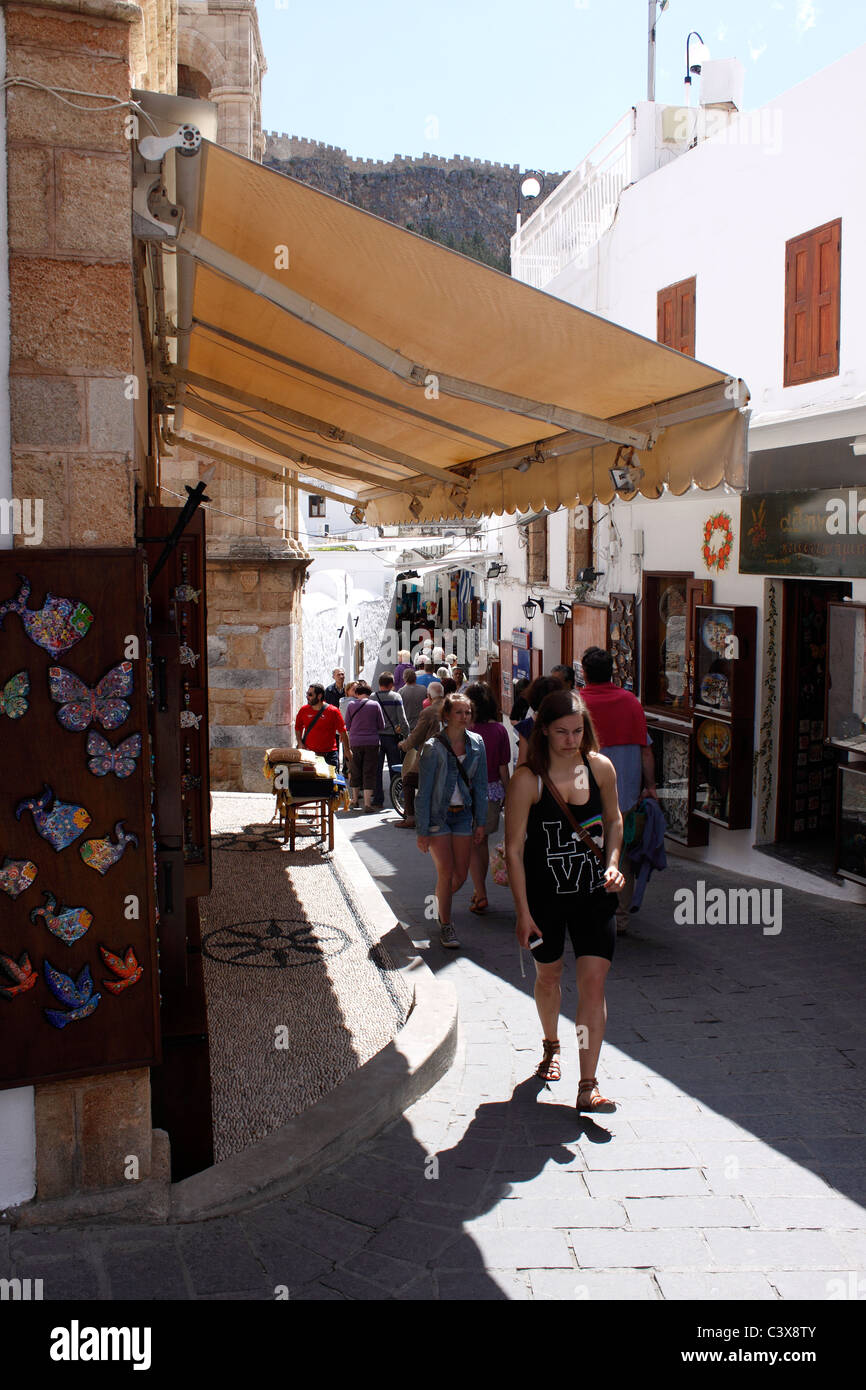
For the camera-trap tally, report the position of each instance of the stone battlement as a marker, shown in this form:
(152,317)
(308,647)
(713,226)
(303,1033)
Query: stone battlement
(278,145)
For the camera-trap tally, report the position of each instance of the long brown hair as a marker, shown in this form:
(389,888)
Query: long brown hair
(557,705)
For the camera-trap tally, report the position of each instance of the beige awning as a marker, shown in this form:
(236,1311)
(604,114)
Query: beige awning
(316,337)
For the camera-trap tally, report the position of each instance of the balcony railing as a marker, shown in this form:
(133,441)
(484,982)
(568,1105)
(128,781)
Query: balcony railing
(578,212)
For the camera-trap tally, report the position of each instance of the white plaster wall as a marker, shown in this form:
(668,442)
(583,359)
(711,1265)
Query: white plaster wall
(17,1121)
(723,212)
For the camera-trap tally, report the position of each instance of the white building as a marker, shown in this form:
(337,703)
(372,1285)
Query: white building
(718,231)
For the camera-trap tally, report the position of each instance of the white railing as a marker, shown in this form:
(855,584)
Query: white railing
(578,212)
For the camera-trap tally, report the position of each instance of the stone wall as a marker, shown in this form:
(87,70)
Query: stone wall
(254,656)
(467,204)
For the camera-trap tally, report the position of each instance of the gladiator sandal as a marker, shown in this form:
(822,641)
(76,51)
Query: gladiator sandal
(594,1101)
(548,1068)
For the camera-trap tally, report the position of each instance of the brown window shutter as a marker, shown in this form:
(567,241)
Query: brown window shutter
(812,304)
(537,551)
(665,316)
(675,316)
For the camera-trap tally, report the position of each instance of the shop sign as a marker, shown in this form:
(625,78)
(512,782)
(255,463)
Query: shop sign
(804,533)
(521,638)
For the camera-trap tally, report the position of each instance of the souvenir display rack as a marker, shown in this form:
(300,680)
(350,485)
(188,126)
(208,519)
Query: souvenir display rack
(79,990)
(622,640)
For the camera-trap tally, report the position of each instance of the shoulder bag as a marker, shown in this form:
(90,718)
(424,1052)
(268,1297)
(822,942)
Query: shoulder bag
(587,839)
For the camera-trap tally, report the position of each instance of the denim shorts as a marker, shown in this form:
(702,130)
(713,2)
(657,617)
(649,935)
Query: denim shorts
(457,822)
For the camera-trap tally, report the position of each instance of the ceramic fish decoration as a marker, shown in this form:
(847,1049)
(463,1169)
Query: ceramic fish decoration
(13,696)
(59,826)
(56,626)
(21,971)
(187,656)
(127,970)
(16,876)
(101,854)
(103,758)
(104,704)
(185,593)
(78,993)
(67,923)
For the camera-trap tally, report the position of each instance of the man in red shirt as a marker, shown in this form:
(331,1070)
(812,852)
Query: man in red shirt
(319,726)
(620,724)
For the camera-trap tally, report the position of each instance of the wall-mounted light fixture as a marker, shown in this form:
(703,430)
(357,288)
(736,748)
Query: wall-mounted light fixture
(561,614)
(530,606)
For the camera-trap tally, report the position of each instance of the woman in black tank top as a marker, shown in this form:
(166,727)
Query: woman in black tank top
(559,882)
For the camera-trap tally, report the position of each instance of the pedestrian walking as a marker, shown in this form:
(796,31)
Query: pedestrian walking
(413,696)
(519,704)
(497,746)
(536,692)
(424,671)
(428,724)
(319,726)
(404,664)
(563,836)
(565,674)
(396,727)
(620,726)
(435,691)
(337,689)
(349,695)
(364,722)
(451,806)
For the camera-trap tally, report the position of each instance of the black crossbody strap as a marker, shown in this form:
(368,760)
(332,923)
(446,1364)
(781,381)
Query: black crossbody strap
(460,768)
(312,724)
(378,699)
(587,839)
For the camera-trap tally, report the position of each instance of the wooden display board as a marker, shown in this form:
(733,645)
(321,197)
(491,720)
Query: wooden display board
(79,989)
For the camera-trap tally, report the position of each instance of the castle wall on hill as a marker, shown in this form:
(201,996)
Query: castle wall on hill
(467,204)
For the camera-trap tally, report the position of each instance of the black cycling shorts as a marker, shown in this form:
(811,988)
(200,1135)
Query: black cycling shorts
(590,922)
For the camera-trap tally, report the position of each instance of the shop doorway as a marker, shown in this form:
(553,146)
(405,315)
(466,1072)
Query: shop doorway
(807,765)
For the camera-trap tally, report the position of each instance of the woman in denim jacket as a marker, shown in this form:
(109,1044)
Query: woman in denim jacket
(451,805)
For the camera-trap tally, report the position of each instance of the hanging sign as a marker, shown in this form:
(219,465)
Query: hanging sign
(820,533)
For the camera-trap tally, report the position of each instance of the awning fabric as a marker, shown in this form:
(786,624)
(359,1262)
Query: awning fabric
(251,358)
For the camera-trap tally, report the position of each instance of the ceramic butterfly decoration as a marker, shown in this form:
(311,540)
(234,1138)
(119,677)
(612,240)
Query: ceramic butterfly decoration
(13,696)
(104,759)
(80,706)
(56,626)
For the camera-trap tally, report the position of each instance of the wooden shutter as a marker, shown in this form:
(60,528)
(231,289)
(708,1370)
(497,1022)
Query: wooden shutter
(812,303)
(675,316)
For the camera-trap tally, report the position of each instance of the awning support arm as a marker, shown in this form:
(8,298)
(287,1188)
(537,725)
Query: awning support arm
(312,425)
(306,463)
(412,373)
(260,467)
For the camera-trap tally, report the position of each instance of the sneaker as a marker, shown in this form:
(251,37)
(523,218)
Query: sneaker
(448,936)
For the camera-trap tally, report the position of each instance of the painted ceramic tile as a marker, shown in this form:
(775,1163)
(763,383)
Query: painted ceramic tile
(56,626)
(127,970)
(60,825)
(21,971)
(16,876)
(67,923)
(102,854)
(104,759)
(13,696)
(78,993)
(80,706)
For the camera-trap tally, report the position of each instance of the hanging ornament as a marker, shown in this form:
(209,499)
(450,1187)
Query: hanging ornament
(718,559)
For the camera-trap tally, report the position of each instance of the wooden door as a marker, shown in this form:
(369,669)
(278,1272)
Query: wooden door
(506,693)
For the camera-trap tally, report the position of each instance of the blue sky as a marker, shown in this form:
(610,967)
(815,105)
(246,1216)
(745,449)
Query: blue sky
(536,82)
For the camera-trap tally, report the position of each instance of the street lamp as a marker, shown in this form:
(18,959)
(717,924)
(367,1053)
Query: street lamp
(561,614)
(661,6)
(531,187)
(700,56)
(530,606)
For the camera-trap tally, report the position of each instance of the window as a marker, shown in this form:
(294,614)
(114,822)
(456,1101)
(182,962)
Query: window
(536,551)
(675,316)
(317,505)
(812,283)
(579,552)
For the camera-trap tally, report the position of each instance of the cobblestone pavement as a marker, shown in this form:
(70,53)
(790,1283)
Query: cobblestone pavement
(733,1169)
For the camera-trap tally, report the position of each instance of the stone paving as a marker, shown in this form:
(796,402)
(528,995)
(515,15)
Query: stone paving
(733,1169)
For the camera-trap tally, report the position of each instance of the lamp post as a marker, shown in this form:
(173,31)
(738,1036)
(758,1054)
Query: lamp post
(531,186)
(660,6)
(697,59)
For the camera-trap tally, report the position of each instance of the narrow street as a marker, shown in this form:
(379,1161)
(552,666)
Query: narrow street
(734,1168)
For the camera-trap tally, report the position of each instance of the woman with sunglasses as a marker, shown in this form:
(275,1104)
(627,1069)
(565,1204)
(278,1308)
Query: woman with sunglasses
(563,837)
(451,805)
